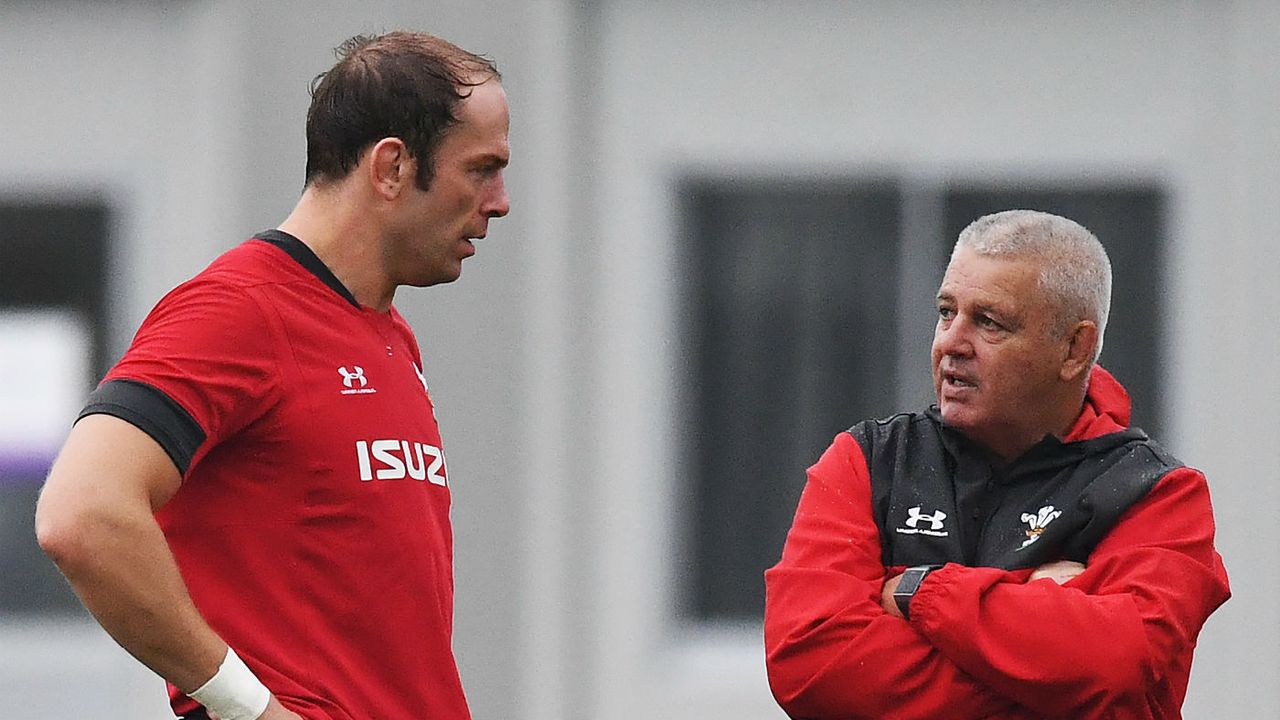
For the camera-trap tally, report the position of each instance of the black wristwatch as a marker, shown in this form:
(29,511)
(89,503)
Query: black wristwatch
(908,585)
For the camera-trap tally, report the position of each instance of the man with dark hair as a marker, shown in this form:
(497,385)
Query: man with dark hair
(1016,551)
(254,502)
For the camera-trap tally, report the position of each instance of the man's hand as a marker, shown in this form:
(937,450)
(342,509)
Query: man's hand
(886,596)
(276,711)
(1058,571)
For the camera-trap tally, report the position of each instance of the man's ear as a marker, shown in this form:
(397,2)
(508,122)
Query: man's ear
(390,167)
(1082,341)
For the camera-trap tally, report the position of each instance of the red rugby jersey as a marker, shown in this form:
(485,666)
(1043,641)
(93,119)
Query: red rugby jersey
(312,523)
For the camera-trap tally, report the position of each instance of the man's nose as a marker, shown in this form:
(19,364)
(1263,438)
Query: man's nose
(498,203)
(954,338)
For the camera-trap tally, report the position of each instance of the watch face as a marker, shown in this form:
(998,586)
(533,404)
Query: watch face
(910,582)
(911,579)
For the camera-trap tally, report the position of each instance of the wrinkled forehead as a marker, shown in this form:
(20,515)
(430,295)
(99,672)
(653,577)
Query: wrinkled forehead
(1007,280)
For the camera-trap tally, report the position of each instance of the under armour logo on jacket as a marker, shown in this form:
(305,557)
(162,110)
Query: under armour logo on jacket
(912,524)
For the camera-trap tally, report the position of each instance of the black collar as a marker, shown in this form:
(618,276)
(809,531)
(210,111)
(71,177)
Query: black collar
(298,250)
(1049,453)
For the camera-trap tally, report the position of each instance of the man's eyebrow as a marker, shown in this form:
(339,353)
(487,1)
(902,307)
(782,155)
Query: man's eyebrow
(1010,318)
(492,158)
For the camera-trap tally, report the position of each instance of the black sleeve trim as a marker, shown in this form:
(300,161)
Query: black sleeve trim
(154,413)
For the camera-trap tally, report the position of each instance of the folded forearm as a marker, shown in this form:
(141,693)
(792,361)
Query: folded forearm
(832,652)
(1048,647)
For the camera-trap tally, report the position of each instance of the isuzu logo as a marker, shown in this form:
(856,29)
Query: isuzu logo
(400,459)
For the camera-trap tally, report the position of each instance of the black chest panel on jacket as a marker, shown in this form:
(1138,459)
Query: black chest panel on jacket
(937,499)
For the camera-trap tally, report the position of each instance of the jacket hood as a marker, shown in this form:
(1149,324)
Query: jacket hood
(1106,407)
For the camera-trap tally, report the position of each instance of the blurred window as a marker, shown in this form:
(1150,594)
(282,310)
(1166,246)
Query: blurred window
(790,295)
(52,340)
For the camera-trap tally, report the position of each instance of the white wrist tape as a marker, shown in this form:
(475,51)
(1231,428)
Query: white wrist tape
(233,693)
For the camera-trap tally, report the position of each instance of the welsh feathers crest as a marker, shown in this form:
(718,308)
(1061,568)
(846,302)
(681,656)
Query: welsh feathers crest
(1037,522)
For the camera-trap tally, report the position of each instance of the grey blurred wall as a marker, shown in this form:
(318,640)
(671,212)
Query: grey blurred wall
(553,359)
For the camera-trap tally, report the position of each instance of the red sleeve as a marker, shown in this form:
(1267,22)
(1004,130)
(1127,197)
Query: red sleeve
(207,346)
(1104,639)
(831,649)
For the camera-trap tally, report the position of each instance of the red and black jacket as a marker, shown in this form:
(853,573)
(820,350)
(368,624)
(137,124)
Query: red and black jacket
(982,642)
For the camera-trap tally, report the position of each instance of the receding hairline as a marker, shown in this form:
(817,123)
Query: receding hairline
(463,62)
(429,72)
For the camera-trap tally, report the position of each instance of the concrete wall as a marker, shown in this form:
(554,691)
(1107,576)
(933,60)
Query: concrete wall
(553,358)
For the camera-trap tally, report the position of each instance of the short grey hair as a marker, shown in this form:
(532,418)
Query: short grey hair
(1074,269)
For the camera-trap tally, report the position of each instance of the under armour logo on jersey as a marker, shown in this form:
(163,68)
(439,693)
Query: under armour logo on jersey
(349,378)
(915,516)
(1037,522)
(355,381)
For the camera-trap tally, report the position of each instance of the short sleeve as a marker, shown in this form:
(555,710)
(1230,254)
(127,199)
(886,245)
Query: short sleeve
(201,367)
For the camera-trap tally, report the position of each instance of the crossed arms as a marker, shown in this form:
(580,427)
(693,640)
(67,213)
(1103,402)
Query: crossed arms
(986,642)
